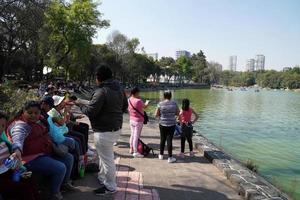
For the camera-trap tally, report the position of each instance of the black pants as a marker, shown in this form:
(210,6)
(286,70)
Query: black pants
(186,134)
(166,134)
(84,129)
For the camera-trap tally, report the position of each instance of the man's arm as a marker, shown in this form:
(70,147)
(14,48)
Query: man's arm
(95,104)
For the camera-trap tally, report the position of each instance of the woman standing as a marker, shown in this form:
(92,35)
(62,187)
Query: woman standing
(186,122)
(136,111)
(167,110)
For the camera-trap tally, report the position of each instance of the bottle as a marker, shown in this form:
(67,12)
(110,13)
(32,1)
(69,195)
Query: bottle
(81,167)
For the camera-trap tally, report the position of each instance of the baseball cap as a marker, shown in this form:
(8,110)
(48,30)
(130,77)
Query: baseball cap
(57,99)
(48,100)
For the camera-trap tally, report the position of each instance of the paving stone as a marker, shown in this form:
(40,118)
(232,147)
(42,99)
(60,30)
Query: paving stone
(236,179)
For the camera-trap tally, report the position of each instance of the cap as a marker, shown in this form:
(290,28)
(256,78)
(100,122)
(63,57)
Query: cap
(57,99)
(48,100)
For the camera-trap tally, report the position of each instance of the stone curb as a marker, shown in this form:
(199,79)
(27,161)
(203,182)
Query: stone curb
(248,184)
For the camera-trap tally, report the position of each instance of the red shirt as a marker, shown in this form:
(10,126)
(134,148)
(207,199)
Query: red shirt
(185,116)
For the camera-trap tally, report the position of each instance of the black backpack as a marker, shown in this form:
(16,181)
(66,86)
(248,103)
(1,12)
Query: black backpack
(144,149)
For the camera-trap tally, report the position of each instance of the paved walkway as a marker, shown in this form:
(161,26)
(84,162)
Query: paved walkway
(152,179)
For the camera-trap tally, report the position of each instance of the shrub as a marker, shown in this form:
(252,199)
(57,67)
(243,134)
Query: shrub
(250,164)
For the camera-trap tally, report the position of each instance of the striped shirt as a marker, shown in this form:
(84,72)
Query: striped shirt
(168,111)
(4,152)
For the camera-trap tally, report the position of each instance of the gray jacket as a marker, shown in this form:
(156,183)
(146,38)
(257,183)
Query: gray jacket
(106,107)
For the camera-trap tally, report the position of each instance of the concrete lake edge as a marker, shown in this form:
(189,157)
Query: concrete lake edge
(250,185)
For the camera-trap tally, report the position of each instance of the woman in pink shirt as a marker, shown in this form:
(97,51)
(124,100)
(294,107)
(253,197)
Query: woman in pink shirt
(136,109)
(185,118)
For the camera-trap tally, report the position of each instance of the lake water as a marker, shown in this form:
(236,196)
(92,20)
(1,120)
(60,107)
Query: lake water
(261,126)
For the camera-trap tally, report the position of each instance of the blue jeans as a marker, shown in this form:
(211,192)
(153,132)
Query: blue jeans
(57,168)
(70,143)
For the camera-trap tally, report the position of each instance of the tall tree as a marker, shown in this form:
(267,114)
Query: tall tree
(68,32)
(199,67)
(20,22)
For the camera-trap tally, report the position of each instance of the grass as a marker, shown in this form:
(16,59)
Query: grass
(251,165)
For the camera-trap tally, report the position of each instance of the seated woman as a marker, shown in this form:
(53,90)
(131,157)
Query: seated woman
(8,187)
(32,144)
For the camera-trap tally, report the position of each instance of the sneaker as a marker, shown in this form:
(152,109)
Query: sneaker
(138,155)
(160,157)
(100,183)
(56,196)
(90,153)
(68,187)
(192,154)
(171,160)
(115,144)
(104,191)
(181,155)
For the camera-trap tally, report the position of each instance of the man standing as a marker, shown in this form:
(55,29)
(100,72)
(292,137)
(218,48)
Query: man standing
(105,111)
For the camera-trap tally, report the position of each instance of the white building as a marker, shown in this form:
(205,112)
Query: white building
(259,62)
(180,53)
(232,63)
(250,66)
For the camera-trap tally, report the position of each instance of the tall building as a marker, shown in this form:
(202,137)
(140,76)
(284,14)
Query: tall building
(259,62)
(153,55)
(232,63)
(180,53)
(250,67)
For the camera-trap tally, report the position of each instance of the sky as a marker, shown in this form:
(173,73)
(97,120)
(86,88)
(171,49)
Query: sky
(220,28)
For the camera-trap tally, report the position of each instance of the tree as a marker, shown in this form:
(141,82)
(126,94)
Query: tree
(67,34)
(185,70)
(199,65)
(20,22)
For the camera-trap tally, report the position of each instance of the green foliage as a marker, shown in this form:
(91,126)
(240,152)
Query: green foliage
(67,34)
(12,99)
(251,165)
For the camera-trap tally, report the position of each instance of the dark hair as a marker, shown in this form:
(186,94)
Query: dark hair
(167,94)
(103,72)
(32,104)
(27,105)
(3,115)
(48,100)
(185,104)
(134,91)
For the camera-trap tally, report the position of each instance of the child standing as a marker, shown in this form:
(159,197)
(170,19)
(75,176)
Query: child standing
(185,118)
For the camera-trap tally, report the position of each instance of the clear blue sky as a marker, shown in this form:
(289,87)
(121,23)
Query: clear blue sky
(218,27)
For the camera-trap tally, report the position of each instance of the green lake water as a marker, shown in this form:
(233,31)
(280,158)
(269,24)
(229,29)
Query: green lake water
(261,126)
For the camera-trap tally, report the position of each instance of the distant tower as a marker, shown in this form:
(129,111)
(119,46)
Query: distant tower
(180,53)
(259,62)
(250,67)
(232,63)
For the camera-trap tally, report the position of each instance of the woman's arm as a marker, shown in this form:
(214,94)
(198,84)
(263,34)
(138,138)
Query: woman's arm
(196,116)
(157,112)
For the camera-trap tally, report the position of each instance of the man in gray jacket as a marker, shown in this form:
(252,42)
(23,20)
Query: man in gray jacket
(105,111)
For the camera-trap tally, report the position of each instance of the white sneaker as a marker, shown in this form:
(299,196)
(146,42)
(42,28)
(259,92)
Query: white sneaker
(171,160)
(138,155)
(115,144)
(90,153)
(160,157)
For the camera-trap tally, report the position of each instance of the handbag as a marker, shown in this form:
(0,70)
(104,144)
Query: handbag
(59,150)
(145,116)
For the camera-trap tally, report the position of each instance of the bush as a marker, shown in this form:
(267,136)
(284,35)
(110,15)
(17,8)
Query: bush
(250,164)
(12,99)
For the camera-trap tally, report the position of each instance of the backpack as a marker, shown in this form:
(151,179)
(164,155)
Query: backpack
(144,149)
